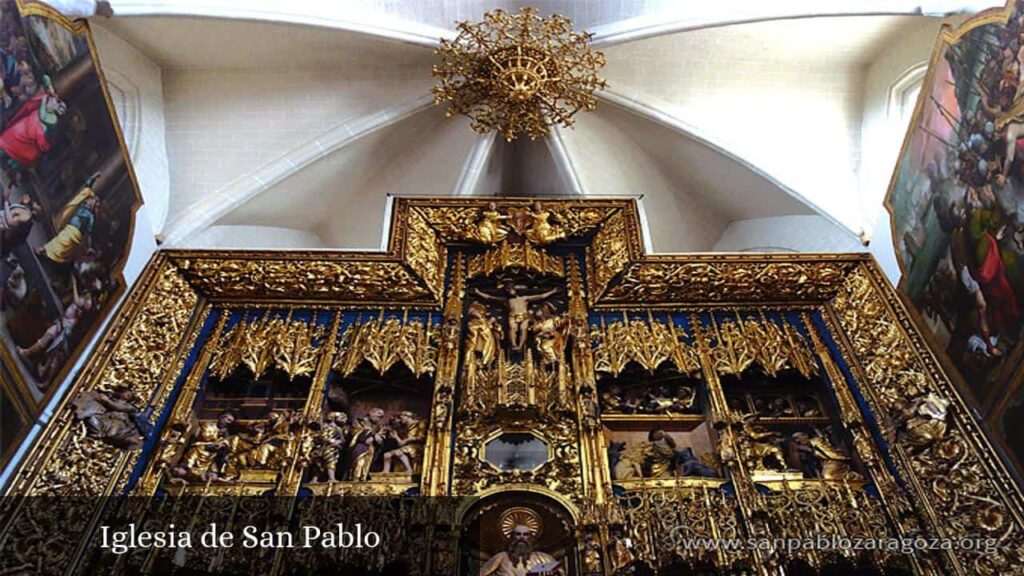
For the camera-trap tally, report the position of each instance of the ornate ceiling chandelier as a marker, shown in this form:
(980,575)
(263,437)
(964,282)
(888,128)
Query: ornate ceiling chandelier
(518,74)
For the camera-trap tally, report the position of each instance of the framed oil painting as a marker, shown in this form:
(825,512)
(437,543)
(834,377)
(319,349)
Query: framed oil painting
(69,198)
(957,206)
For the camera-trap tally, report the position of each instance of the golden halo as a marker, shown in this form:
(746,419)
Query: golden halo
(521,516)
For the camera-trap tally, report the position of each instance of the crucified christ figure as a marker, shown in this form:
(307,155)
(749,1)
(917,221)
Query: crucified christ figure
(518,305)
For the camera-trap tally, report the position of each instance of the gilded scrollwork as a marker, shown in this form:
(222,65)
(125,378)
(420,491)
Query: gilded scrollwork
(934,438)
(327,279)
(425,252)
(77,461)
(717,279)
(609,253)
(560,473)
(829,510)
(521,255)
(657,520)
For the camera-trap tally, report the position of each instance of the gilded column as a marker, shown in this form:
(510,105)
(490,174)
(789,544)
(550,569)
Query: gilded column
(748,499)
(437,457)
(593,455)
(312,411)
(721,417)
(178,427)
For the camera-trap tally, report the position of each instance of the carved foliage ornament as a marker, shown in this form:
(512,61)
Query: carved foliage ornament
(741,342)
(933,436)
(648,343)
(317,279)
(384,342)
(728,281)
(69,463)
(272,339)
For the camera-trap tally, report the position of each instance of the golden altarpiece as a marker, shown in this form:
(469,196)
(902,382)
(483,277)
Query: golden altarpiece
(531,362)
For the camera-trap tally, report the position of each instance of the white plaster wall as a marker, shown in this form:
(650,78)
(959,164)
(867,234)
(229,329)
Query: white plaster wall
(679,221)
(136,87)
(798,233)
(253,238)
(223,124)
(798,122)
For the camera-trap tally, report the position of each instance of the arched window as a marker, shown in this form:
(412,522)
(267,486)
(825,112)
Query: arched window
(904,92)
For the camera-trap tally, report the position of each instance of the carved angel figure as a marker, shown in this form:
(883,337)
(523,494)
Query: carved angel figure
(541,230)
(491,228)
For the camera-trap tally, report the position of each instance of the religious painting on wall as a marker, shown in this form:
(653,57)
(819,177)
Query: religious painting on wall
(69,197)
(957,203)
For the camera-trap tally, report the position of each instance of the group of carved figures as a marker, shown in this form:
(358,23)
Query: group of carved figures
(659,399)
(763,450)
(222,450)
(812,455)
(620,554)
(535,223)
(349,451)
(658,457)
(485,334)
(529,316)
(770,406)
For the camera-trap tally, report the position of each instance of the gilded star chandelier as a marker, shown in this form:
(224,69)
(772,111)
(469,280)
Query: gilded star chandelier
(518,74)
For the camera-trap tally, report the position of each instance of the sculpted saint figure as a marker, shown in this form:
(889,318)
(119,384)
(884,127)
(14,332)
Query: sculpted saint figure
(818,458)
(592,565)
(203,459)
(109,417)
(367,435)
(621,555)
(482,336)
(627,462)
(328,445)
(521,559)
(410,442)
(834,464)
(266,444)
(761,444)
(661,453)
(551,335)
(518,305)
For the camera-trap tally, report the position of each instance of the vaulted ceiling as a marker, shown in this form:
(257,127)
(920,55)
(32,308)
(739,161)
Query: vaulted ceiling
(290,124)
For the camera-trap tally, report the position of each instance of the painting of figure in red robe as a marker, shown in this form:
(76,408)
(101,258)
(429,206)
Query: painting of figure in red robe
(957,204)
(68,198)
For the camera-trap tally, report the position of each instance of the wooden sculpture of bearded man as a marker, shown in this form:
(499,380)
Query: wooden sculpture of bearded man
(520,559)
